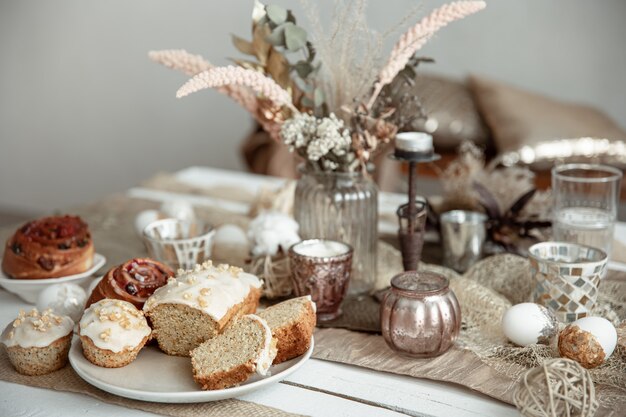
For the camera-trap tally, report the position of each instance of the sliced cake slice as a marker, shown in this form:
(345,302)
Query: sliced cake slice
(198,304)
(230,358)
(292,323)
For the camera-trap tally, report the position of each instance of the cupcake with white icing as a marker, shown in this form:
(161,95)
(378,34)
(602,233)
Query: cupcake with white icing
(113,332)
(38,343)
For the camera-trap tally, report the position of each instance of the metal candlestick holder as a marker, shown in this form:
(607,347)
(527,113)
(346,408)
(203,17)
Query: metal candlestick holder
(412,216)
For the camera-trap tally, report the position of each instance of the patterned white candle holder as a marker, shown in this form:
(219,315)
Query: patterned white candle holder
(179,243)
(566,277)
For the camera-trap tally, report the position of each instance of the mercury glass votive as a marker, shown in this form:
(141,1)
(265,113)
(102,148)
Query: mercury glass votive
(321,268)
(420,316)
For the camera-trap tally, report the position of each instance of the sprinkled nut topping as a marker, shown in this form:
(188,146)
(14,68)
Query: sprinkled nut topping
(186,296)
(11,334)
(235,271)
(205,291)
(17,322)
(105,335)
(115,316)
(203,302)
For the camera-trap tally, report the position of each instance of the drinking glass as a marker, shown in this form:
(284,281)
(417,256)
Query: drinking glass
(585,204)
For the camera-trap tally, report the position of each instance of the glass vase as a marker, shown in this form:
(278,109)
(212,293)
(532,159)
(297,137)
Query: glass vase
(341,206)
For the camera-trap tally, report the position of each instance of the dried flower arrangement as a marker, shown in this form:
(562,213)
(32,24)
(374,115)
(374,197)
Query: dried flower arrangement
(517,212)
(334,104)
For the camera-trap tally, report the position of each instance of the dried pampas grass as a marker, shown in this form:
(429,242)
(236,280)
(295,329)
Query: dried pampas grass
(190,64)
(236,76)
(181,60)
(417,36)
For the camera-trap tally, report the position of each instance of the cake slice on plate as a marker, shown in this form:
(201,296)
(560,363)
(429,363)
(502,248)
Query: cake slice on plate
(292,323)
(233,356)
(199,304)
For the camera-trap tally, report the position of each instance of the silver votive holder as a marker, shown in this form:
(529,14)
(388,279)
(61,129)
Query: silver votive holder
(567,276)
(321,268)
(463,235)
(179,243)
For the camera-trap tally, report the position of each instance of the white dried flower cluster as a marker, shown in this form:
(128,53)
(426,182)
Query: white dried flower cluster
(317,139)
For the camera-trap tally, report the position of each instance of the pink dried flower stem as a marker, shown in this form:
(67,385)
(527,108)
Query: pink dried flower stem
(230,76)
(190,64)
(417,36)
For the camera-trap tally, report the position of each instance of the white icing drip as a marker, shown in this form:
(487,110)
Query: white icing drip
(267,354)
(214,290)
(114,325)
(36,330)
(313,305)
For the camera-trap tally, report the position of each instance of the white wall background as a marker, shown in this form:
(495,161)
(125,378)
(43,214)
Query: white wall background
(84,113)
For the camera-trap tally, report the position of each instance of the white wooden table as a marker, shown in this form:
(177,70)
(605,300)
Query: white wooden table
(319,388)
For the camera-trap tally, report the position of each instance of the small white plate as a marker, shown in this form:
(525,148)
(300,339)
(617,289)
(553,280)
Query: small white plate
(29,289)
(155,376)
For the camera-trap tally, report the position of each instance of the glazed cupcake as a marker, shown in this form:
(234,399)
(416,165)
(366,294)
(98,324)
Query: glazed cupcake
(38,343)
(112,333)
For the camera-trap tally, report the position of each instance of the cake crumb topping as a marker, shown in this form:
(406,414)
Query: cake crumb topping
(114,325)
(36,329)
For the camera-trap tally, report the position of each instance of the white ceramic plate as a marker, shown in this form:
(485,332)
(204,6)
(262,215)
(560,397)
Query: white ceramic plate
(29,289)
(155,376)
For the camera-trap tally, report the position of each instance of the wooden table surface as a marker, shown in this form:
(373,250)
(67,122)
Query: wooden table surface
(319,388)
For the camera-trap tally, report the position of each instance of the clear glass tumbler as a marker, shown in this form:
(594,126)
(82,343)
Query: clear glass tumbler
(585,204)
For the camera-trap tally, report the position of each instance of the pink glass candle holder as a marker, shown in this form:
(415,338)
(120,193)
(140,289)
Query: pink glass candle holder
(321,268)
(420,316)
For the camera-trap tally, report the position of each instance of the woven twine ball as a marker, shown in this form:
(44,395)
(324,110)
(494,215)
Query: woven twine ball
(560,387)
(275,273)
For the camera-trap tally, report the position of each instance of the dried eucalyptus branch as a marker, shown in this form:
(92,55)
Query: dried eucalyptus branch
(417,36)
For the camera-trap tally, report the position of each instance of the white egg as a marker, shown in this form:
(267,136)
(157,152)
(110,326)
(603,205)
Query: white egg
(230,245)
(529,323)
(178,209)
(143,219)
(231,234)
(602,330)
(63,299)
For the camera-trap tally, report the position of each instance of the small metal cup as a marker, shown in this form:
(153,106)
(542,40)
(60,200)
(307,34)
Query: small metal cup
(463,235)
